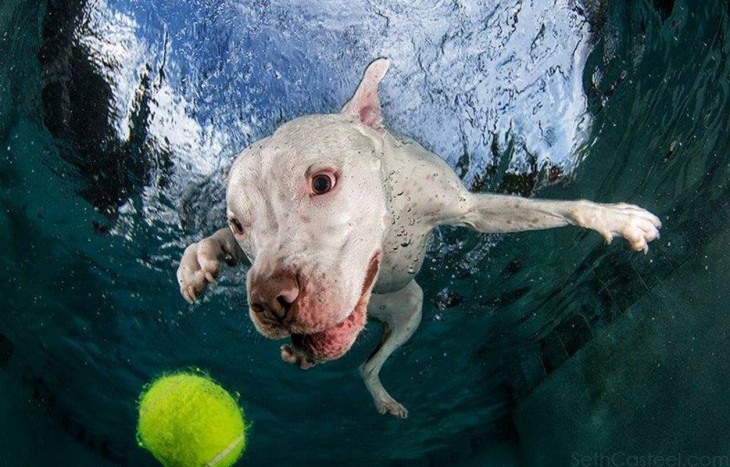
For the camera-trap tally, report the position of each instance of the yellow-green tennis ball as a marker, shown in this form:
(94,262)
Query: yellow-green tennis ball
(186,419)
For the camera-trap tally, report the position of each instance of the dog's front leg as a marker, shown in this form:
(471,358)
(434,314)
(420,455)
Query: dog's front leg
(400,313)
(502,214)
(201,262)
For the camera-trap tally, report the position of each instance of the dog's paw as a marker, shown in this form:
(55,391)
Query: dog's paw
(199,267)
(294,356)
(638,226)
(391,406)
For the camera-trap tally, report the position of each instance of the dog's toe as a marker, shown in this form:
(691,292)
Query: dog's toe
(291,355)
(392,407)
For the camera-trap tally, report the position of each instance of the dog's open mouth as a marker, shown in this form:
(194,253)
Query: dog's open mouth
(334,342)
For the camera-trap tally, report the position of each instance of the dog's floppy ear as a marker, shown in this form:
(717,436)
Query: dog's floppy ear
(365,105)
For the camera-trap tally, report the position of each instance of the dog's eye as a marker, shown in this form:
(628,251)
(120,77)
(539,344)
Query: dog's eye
(322,183)
(235,226)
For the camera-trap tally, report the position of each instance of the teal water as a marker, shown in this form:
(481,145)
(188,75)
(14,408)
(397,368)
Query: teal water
(536,348)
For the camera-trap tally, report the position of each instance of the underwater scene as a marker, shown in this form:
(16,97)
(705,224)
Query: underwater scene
(120,121)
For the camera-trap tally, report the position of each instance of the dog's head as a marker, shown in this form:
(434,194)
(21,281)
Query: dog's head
(308,207)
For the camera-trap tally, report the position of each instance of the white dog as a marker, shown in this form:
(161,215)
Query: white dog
(334,211)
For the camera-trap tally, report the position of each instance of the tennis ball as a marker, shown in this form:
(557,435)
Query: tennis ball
(186,419)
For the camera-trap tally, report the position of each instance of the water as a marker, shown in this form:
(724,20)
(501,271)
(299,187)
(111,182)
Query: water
(117,119)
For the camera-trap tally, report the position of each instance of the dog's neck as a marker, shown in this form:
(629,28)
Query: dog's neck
(406,233)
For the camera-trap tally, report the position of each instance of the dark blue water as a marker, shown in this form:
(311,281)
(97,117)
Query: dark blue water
(117,119)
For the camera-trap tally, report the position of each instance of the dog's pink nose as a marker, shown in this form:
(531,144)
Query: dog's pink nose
(274,295)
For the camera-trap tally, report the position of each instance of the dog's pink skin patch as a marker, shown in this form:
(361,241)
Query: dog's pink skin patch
(334,342)
(314,311)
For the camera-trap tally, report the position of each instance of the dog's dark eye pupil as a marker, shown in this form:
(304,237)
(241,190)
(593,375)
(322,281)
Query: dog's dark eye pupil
(321,184)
